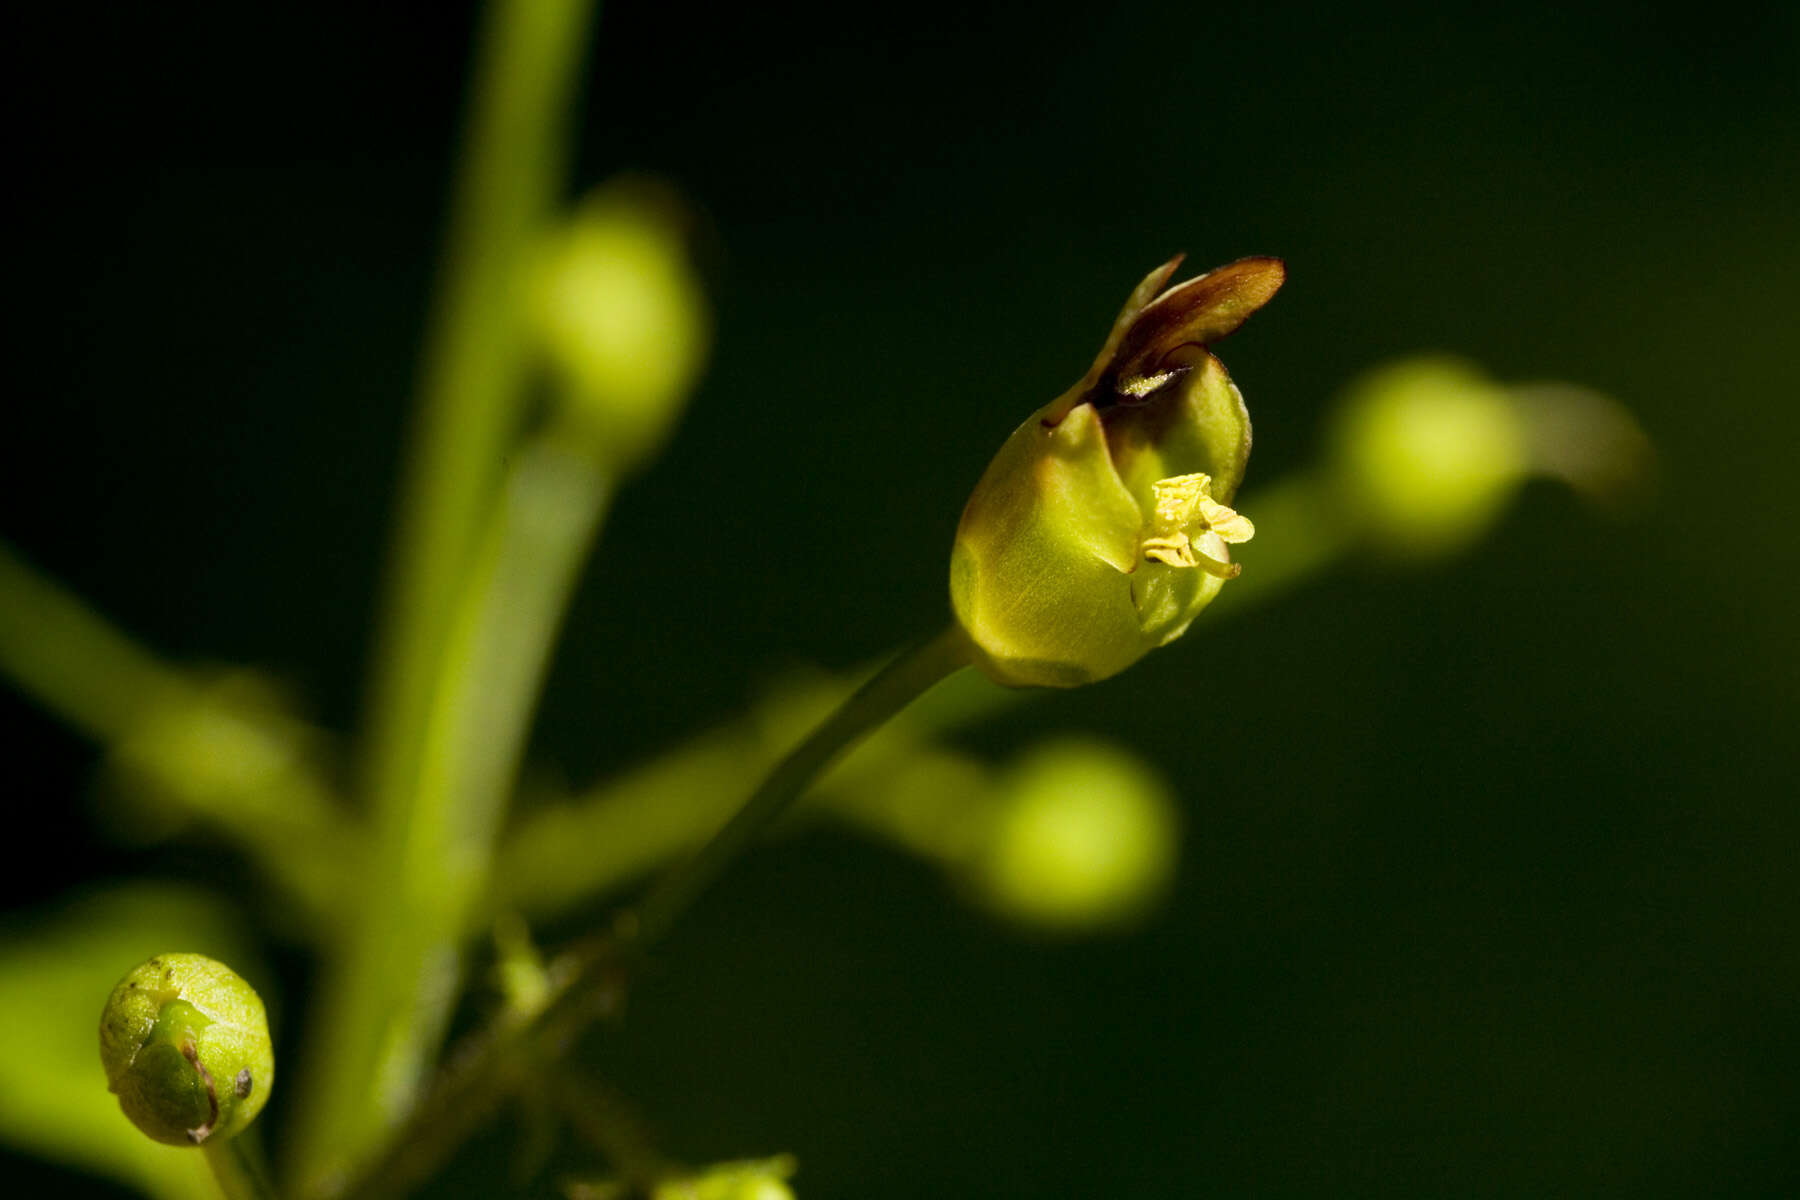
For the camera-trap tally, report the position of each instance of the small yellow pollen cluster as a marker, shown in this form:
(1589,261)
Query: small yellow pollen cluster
(1145,385)
(1187,519)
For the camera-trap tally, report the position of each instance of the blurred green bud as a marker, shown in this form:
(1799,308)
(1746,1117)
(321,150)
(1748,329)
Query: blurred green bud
(725,1185)
(755,1179)
(186,1048)
(1426,453)
(1100,529)
(622,318)
(1086,837)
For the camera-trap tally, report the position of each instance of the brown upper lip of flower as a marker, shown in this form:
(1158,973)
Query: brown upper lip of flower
(1163,330)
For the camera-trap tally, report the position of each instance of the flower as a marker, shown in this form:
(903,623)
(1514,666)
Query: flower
(1100,529)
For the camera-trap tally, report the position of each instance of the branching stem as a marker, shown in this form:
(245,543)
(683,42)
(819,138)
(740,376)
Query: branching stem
(374,1034)
(588,981)
(888,691)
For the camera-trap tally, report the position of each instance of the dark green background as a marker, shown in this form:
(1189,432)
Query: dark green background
(1490,885)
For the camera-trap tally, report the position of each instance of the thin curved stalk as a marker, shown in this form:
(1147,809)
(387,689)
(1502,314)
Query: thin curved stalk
(237,1169)
(891,689)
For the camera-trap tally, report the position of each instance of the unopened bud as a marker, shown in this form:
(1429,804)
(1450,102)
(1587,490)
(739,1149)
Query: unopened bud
(622,319)
(1086,837)
(185,1044)
(1427,452)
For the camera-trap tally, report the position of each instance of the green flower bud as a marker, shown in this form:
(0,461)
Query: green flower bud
(761,1179)
(1086,838)
(1100,529)
(1426,454)
(186,1048)
(621,318)
(725,1186)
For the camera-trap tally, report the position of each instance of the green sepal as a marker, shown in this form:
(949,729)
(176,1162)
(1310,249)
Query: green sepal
(1035,575)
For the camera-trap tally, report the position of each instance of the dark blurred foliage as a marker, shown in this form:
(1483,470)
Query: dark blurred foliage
(1490,885)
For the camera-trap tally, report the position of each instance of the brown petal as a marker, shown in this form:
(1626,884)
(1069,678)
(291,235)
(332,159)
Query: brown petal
(1146,291)
(1196,313)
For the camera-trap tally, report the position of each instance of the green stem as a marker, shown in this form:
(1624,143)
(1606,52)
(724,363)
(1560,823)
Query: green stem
(613,836)
(471,399)
(891,689)
(237,1169)
(72,661)
(202,752)
(587,981)
(551,508)
(603,1118)
(493,668)
(492,672)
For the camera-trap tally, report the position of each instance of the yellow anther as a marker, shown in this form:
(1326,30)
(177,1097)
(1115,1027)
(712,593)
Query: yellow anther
(1186,510)
(1175,550)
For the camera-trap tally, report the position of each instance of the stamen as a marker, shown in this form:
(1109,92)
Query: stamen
(1174,551)
(1185,509)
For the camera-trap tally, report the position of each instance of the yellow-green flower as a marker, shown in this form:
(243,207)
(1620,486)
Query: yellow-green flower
(1100,530)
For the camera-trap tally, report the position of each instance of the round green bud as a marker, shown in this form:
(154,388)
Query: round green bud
(621,318)
(1100,529)
(752,1179)
(1086,837)
(759,1187)
(185,1044)
(1426,453)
